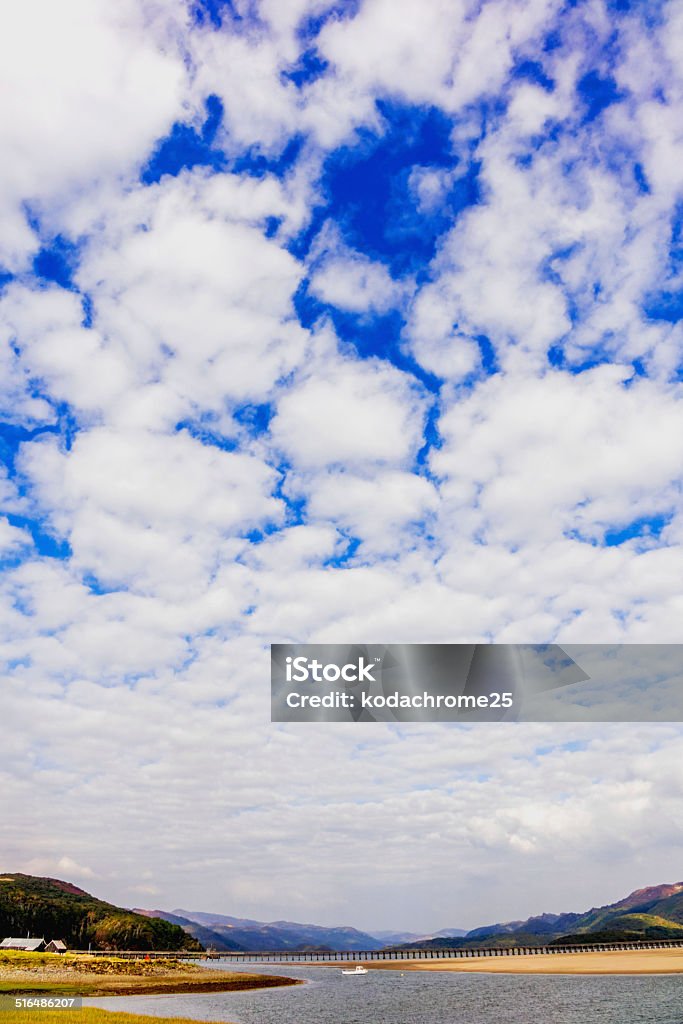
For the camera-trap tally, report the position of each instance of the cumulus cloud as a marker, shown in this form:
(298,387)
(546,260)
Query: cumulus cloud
(12,540)
(561,454)
(350,413)
(229,420)
(61,137)
(470,51)
(355,284)
(375,509)
(148,508)
(194,295)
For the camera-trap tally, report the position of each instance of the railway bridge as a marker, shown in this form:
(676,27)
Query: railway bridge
(368,956)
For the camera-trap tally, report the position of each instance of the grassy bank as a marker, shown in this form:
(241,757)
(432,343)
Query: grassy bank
(86,1016)
(83,975)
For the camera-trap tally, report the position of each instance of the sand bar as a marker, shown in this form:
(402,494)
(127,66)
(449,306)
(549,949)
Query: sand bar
(630,961)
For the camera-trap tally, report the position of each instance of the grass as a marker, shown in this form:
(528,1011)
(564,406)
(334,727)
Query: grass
(85,1016)
(71,974)
(49,973)
(642,921)
(19,961)
(19,958)
(39,987)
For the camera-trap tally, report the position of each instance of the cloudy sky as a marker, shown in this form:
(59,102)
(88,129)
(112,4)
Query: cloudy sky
(336,322)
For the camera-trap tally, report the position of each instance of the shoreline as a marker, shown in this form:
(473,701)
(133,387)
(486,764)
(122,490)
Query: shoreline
(97,977)
(85,976)
(615,962)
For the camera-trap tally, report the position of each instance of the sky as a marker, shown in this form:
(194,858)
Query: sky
(346,322)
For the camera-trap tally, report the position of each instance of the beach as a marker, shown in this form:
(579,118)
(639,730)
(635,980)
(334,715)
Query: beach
(636,961)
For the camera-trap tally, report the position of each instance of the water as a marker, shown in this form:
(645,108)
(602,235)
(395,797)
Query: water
(416,997)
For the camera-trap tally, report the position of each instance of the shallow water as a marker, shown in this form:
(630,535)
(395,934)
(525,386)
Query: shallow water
(415,997)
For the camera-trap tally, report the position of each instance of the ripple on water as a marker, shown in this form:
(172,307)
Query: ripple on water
(414,997)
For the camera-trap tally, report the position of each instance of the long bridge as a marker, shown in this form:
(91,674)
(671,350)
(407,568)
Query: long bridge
(367,956)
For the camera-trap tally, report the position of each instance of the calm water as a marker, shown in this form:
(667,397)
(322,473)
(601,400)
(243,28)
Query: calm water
(389,997)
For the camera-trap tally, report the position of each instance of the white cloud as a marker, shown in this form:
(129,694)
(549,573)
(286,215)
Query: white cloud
(125,692)
(355,284)
(350,413)
(431,186)
(12,539)
(148,509)
(148,478)
(376,509)
(198,298)
(73,363)
(345,278)
(563,224)
(64,866)
(434,341)
(95,87)
(435,52)
(528,460)
(294,547)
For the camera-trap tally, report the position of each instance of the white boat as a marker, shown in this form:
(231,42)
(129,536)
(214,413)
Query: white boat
(358,970)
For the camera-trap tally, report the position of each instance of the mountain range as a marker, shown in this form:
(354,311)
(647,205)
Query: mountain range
(240,934)
(221,932)
(653,912)
(53,908)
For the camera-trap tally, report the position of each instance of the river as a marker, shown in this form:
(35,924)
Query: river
(434,997)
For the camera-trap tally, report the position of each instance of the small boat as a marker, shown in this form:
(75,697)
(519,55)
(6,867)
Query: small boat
(358,970)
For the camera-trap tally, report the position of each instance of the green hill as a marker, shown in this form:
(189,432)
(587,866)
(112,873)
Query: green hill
(55,909)
(652,913)
(625,928)
(671,907)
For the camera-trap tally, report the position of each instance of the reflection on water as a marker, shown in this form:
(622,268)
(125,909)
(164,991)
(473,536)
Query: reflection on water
(414,997)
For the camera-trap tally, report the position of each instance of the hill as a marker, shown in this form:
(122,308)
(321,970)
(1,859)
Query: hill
(206,936)
(237,933)
(653,912)
(56,909)
(444,933)
(394,938)
(625,928)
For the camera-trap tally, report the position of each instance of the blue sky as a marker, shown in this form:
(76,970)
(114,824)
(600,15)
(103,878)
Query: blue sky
(335,322)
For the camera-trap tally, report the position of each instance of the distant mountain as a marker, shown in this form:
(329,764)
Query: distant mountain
(56,909)
(209,939)
(394,938)
(543,924)
(625,928)
(240,933)
(652,895)
(653,912)
(221,919)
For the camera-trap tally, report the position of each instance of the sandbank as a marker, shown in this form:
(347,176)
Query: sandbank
(636,961)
